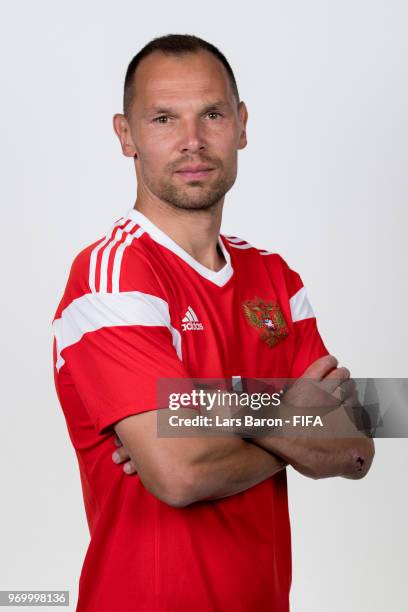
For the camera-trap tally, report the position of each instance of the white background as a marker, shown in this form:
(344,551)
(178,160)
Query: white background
(323,182)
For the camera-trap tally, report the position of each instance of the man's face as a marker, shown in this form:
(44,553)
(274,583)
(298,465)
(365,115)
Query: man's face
(184,115)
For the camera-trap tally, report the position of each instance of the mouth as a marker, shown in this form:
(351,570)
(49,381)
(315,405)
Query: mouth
(198,172)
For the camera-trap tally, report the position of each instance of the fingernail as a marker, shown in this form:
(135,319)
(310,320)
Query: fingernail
(127,468)
(116,457)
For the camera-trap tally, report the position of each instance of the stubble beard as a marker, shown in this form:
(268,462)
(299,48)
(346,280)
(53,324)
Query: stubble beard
(195,195)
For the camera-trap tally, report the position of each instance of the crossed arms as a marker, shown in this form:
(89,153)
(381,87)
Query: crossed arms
(180,471)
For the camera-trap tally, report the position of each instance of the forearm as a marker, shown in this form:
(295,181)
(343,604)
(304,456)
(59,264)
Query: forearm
(341,448)
(321,457)
(183,469)
(231,467)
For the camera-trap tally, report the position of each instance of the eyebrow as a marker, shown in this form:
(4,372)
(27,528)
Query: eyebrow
(159,109)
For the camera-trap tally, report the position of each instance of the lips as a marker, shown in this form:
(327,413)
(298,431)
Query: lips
(194,171)
(197,168)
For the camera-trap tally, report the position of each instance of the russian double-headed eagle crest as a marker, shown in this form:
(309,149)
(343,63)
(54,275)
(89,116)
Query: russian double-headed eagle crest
(267,318)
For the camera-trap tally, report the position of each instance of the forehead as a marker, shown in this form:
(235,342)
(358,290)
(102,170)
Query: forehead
(198,74)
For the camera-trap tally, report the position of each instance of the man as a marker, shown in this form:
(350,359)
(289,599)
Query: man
(203,522)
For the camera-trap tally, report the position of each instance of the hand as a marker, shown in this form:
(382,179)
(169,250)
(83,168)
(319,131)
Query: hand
(326,390)
(120,455)
(322,385)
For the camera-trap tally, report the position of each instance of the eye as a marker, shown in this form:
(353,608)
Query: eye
(214,113)
(158,119)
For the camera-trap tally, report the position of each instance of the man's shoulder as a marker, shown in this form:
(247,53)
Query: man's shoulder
(114,263)
(245,253)
(242,248)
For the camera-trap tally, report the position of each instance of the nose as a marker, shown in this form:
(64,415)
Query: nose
(192,137)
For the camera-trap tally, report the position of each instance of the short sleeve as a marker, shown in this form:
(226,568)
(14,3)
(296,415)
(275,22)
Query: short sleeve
(115,347)
(308,344)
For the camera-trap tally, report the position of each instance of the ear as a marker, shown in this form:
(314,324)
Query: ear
(122,129)
(243,118)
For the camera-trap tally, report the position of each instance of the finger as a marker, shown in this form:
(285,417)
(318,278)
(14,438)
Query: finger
(120,455)
(339,373)
(129,468)
(117,440)
(353,402)
(345,389)
(321,367)
(334,379)
(354,410)
(325,388)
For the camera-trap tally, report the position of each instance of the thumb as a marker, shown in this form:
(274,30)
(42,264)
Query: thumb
(321,367)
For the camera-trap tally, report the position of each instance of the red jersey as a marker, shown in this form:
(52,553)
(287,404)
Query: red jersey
(137,307)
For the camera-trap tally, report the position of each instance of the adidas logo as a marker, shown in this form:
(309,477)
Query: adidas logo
(190,321)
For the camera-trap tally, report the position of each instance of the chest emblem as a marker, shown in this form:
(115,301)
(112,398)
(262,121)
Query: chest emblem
(267,318)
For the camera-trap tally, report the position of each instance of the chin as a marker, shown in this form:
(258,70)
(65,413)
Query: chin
(195,205)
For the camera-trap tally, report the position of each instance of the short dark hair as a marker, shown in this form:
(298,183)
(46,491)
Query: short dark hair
(173,44)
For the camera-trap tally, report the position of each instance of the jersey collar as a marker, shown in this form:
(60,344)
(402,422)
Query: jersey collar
(219,278)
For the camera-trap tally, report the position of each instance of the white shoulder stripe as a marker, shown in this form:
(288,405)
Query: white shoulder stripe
(118,258)
(234,239)
(246,245)
(300,306)
(108,243)
(95,310)
(103,280)
(238,243)
(94,254)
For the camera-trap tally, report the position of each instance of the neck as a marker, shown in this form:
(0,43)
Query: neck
(195,231)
